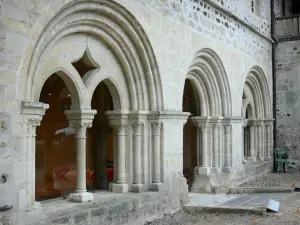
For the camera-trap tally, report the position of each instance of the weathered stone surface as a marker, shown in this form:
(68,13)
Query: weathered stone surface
(287,97)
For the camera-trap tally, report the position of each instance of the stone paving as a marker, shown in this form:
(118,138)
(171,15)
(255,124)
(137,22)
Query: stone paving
(253,200)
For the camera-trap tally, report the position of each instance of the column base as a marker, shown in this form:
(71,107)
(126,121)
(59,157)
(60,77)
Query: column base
(35,206)
(118,188)
(260,158)
(268,158)
(137,188)
(215,170)
(203,171)
(251,159)
(81,197)
(244,161)
(155,187)
(227,169)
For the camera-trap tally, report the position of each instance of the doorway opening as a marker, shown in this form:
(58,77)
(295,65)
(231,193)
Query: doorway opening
(247,139)
(102,138)
(189,134)
(55,164)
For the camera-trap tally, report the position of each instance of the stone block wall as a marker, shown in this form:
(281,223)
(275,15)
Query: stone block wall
(288,97)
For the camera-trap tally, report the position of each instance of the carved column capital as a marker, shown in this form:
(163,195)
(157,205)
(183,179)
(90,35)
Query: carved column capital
(201,121)
(156,126)
(137,128)
(80,120)
(117,118)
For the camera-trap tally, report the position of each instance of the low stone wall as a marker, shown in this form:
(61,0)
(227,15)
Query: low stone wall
(250,171)
(108,208)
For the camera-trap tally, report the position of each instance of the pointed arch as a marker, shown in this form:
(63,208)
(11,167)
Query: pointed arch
(209,80)
(121,32)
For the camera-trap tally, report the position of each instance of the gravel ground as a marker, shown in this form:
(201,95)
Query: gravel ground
(275,180)
(289,214)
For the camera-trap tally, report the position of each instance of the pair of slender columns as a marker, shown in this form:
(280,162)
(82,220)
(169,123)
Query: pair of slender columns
(256,141)
(261,140)
(269,140)
(119,122)
(156,136)
(204,125)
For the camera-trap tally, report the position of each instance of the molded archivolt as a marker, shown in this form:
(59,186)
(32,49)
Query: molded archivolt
(256,81)
(209,80)
(119,30)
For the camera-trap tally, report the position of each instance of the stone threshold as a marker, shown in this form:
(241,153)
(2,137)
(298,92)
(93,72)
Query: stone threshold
(225,210)
(108,208)
(244,190)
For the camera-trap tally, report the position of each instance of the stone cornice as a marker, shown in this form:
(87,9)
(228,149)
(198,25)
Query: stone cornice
(117,118)
(200,120)
(232,120)
(138,116)
(80,114)
(269,121)
(165,115)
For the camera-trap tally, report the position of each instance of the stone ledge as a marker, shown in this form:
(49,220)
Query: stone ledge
(244,190)
(111,208)
(222,209)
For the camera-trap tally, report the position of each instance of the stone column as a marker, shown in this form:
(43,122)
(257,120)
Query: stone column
(204,142)
(137,156)
(156,128)
(202,123)
(34,112)
(120,134)
(264,141)
(119,121)
(221,146)
(271,140)
(228,134)
(269,144)
(260,142)
(267,139)
(252,129)
(215,144)
(244,140)
(32,123)
(80,120)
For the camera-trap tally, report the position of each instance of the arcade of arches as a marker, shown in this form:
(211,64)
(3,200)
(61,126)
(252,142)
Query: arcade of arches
(208,133)
(97,122)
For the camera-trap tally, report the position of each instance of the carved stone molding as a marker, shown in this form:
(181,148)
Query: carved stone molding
(34,108)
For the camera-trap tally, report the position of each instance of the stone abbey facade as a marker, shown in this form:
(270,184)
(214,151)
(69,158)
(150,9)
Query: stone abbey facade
(130,104)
